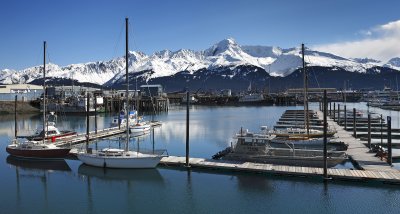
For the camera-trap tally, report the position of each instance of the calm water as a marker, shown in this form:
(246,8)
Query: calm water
(69,187)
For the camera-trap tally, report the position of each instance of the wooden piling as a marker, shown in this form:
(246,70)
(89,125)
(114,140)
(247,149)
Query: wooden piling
(369,131)
(15,117)
(87,122)
(354,123)
(338,115)
(325,138)
(187,129)
(345,117)
(389,140)
(334,111)
(95,114)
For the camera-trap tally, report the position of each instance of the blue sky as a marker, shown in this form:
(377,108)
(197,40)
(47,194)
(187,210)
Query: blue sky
(90,30)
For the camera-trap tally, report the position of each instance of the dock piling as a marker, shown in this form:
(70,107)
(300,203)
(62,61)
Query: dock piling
(381,130)
(95,114)
(325,138)
(354,123)
(345,118)
(334,112)
(369,131)
(187,129)
(338,114)
(87,122)
(389,140)
(15,117)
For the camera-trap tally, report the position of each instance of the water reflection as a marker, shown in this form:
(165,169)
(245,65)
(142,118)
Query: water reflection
(28,170)
(38,165)
(117,175)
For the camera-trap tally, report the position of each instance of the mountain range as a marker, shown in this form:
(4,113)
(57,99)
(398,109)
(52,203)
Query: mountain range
(223,65)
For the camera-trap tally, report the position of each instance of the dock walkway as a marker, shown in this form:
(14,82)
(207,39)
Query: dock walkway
(389,176)
(80,138)
(358,151)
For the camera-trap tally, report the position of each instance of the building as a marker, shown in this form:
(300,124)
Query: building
(69,91)
(24,92)
(300,91)
(152,90)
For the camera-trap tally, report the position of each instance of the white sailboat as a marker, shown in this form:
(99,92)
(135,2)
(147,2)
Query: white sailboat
(121,158)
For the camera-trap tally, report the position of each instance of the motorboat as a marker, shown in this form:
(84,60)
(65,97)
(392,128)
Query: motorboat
(121,119)
(257,147)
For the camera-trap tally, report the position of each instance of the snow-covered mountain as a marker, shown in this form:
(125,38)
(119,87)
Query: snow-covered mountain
(224,54)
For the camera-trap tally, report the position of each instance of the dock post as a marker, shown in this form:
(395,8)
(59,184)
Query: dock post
(334,112)
(354,123)
(87,122)
(15,116)
(381,130)
(95,114)
(369,131)
(330,108)
(338,114)
(118,114)
(187,129)
(325,138)
(389,140)
(345,118)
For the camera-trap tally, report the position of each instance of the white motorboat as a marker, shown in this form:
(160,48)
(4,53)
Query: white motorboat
(257,148)
(121,119)
(140,128)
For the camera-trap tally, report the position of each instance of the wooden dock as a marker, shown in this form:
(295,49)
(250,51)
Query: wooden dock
(389,176)
(81,138)
(357,151)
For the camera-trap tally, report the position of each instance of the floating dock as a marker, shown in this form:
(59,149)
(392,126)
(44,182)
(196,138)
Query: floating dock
(390,176)
(370,168)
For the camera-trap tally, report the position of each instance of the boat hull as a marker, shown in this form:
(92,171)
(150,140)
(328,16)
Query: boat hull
(289,160)
(119,162)
(63,134)
(57,153)
(139,130)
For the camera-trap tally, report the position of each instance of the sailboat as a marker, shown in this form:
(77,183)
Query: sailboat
(38,149)
(121,158)
(303,133)
(140,127)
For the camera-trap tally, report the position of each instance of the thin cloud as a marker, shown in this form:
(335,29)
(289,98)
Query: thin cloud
(381,42)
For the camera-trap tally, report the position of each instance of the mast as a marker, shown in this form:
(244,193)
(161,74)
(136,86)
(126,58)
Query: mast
(127,86)
(44,90)
(306,119)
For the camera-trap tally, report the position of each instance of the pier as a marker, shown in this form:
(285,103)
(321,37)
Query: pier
(388,176)
(369,167)
(81,138)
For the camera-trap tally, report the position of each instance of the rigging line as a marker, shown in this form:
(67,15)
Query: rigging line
(118,41)
(133,43)
(315,76)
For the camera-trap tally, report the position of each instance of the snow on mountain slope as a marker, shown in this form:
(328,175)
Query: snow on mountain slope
(393,63)
(226,53)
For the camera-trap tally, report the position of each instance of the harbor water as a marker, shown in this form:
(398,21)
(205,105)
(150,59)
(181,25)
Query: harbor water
(71,187)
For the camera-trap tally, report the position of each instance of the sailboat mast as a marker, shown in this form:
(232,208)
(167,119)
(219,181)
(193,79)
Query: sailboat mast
(127,86)
(44,90)
(306,121)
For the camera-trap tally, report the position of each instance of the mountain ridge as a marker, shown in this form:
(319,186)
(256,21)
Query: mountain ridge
(226,54)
